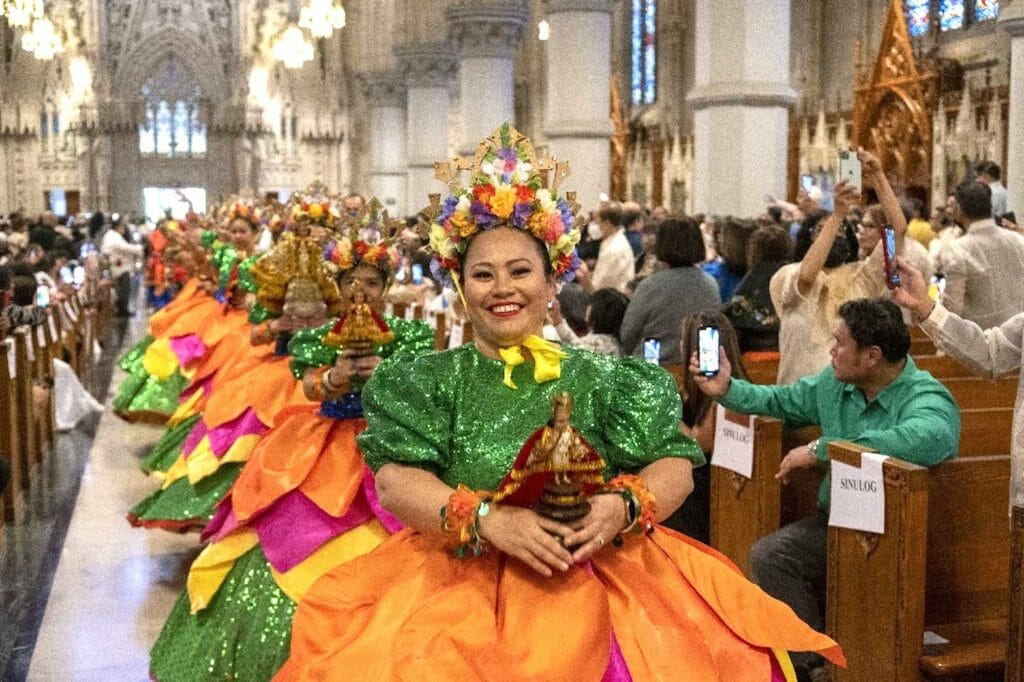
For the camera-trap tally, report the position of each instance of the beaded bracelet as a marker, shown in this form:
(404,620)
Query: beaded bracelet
(460,521)
(641,508)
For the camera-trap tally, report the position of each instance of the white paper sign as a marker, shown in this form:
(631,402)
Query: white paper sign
(734,443)
(455,335)
(410,312)
(858,495)
(12,361)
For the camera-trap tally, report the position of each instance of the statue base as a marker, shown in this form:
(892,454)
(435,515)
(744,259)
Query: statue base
(562,502)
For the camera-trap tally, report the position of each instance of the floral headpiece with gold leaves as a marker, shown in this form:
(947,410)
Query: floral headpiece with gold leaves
(510,187)
(243,207)
(315,206)
(368,238)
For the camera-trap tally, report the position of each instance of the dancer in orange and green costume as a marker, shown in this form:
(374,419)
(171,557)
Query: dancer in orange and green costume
(303,504)
(610,596)
(247,393)
(161,366)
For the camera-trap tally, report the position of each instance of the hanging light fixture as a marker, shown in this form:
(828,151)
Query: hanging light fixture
(543,30)
(322,17)
(42,40)
(21,13)
(292,48)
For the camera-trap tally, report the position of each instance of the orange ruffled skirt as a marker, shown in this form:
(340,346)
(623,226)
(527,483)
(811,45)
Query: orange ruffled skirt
(671,608)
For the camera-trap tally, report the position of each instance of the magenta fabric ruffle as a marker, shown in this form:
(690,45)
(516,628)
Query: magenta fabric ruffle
(223,437)
(188,348)
(294,527)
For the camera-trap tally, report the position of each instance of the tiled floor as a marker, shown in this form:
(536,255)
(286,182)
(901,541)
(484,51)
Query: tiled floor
(114,585)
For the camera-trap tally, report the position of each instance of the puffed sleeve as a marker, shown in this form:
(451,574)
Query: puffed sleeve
(412,337)
(309,351)
(407,420)
(258,314)
(644,412)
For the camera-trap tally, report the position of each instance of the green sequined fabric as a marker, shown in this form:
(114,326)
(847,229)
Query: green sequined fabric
(182,501)
(146,393)
(132,358)
(167,450)
(309,351)
(451,413)
(244,634)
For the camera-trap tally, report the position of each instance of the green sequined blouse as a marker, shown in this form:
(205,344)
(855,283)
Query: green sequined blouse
(451,413)
(308,350)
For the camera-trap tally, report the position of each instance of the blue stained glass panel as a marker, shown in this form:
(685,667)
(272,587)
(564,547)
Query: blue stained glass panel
(986,9)
(650,52)
(636,49)
(164,127)
(918,16)
(182,123)
(951,14)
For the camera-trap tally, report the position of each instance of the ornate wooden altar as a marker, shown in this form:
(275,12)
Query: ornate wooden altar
(892,107)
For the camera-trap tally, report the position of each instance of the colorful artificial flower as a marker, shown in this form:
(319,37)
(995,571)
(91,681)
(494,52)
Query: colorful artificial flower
(506,191)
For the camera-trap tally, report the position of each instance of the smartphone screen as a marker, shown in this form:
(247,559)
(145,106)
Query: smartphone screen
(850,170)
(42,296)
(66,275)
(78,276)
(417,273)
(892,277)
(707,350)
(652,350)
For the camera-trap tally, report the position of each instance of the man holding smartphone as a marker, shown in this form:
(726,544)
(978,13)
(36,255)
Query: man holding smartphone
(873,394)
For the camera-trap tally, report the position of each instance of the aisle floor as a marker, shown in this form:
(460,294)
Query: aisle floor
(114,585)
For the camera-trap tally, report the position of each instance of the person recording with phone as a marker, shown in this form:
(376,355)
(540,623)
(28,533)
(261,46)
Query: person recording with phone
(702,332)
(871,393)
(807,293)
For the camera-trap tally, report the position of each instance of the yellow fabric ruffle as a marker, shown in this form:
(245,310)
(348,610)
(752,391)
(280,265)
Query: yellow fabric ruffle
(354,543)
(212,565)
(202,462)
(547,359)
(159,360)
(186,409)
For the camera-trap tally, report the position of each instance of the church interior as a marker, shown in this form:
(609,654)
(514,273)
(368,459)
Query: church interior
(171,171)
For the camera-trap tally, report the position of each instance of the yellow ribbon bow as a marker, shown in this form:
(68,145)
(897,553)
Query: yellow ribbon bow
(547,359)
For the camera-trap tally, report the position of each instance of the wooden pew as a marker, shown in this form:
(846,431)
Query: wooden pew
(985,431)
(741,507)
(974,393)
(9,427)
(941,566)
(1015,643)
(27,438)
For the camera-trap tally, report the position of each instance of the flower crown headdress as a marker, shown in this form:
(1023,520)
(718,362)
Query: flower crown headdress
(510,187)
(243,207)
(368,238)
(315,207)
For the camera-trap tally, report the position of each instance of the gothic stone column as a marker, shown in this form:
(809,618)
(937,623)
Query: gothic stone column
(428,70)
(385,94)
(1012,20)
(740,102)
(579,71)
(486,33)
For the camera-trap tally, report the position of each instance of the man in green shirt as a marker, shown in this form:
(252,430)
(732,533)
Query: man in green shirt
(872,394)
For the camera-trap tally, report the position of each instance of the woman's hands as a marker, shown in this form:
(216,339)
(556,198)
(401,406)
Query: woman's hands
(529,537)
(350,364)
(542,544)
(607,518)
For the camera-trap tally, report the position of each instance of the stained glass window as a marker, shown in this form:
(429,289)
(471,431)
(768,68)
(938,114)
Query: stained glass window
(164,129)
(643,45)
(986,9)
(147,134)
(173,124)
(918,16)
(951,14)
(198,134)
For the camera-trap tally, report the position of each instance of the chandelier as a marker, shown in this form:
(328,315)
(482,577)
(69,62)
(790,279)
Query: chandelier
(321,17)
(292,48)
(20,13)
(42,40)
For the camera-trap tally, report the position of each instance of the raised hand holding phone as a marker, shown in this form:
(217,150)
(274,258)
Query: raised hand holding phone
(708,350)
(850,170)
(892,275)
